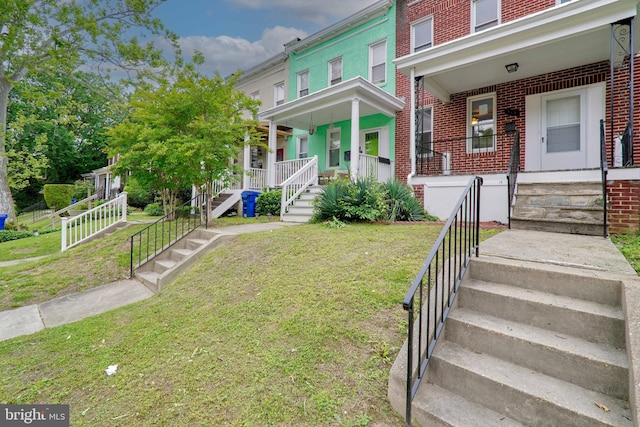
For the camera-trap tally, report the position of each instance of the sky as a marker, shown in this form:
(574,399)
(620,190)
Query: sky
(237,34)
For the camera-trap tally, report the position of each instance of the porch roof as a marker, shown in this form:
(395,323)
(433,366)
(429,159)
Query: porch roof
(557,38)
(333,104)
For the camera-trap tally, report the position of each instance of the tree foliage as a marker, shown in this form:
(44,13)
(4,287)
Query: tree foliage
(55,131)
(182,132)
(51,37)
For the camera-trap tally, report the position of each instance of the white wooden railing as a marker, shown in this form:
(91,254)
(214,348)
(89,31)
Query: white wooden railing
(293,186)
(230,182)
(257,178)
(370,167)
(286,169)
(53,215)
(79,228)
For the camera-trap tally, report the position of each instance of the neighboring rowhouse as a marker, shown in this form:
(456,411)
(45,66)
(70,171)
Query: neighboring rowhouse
(341,98)
(477,74)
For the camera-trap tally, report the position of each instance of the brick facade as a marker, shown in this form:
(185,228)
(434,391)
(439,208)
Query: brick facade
(451,20)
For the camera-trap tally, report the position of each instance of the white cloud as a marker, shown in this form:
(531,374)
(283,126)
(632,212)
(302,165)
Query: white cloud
(319,12)
(227,54)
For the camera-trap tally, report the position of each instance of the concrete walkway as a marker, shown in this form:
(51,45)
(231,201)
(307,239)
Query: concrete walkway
(70,308)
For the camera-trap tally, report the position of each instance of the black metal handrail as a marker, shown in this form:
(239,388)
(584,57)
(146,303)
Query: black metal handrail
(154,239)
(436,285)
(604,170)
(37,210)
(627,145)
(464,155)
(512,172)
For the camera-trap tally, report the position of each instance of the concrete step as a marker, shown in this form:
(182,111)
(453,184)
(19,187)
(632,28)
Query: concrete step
(564,315)
(566,226)
(149,279)
(577,213)
(300,210)
(596,367)
(178,254)
(561,188)
(522,394)
(579,282)
(195,243)
(296,218)
(435,406)
(162,265)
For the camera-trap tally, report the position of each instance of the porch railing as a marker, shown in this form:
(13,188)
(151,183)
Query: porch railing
(434,289)
(156,238)
(79,228)
(462,156)
(293,186)
(512,172)
(229,182)
(604,170)
(379,169)
(287,168)
(257,178)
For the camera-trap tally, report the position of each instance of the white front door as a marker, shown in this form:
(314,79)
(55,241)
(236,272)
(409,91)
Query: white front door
(563,133)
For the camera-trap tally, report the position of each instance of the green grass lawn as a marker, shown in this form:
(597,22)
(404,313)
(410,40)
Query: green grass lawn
(297,327)
(629,246)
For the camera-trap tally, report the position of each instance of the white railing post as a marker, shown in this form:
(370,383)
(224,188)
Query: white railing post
(124,206)
(64,234)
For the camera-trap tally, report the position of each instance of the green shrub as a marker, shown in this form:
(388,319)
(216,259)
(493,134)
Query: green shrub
(7,235)
(58,196)
(269,202)
(137,195)
(403,205)
(81,189)
(154,209)
(343,200)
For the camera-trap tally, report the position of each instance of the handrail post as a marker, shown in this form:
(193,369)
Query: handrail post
(131,257)
(479,183)
(64,234)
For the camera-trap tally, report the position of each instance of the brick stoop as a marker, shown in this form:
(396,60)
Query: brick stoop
(574,208)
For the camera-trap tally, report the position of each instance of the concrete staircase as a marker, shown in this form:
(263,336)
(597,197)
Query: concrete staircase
(572,207)
(526,344)
(181,256)
(302,209)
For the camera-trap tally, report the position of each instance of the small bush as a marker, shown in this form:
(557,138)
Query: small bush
(186,211)
(403,205)
(137,195)
(81,189)
(8,235)
(269,203)
(58,196)
(343,200)
(154,209)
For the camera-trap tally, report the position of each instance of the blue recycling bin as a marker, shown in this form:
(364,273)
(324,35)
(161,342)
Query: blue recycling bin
(249,199)
(3,218)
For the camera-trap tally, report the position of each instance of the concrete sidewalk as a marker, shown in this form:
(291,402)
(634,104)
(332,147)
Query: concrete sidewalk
(70,308)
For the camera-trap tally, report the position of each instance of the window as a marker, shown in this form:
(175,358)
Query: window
(333,137)
(481,120)
(335,71)
(256,96)
(422,35)
(485,14)
(303,83)
(378,62)
(303,147)
(424,126)
(278,93)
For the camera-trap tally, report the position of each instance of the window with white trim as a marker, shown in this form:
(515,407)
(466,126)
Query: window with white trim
(335,71)
(303,83)
(278,93)
(424,134)
(333,146)
(422,35)
(303,146)
(378,62)
(484,14)
(481,123)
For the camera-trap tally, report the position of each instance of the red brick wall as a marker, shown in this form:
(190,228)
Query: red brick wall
(624,206)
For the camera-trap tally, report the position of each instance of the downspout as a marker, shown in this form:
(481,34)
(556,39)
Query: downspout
(412,129)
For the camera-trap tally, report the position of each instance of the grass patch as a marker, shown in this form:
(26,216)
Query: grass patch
(629,246)
(294,327)
(30,247)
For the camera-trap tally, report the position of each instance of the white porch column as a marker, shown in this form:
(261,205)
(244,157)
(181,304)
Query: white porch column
(271,154)
(355,137)
(246,163)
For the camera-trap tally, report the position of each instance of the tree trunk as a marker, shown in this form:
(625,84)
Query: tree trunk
(6,200)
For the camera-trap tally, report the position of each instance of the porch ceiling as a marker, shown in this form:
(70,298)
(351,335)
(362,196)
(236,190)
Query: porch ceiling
(561,37)
(333,104)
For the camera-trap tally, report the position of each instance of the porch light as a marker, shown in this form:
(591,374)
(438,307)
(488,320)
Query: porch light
(512,68)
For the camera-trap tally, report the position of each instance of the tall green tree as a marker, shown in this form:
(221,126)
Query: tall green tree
(54,36)
(55,130)
(182,132)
